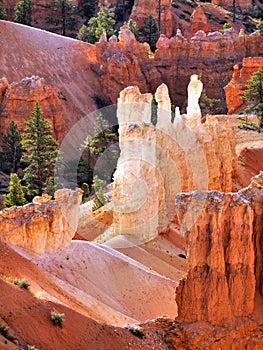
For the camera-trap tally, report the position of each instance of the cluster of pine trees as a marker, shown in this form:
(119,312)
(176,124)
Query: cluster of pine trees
(65,18)
(32,160)
(33,154)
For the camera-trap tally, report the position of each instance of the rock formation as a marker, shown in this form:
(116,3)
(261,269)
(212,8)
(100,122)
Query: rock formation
(43,226)
(199,21)
(18,100)
(235,88)
(224,254)
(126,62)
(173,157)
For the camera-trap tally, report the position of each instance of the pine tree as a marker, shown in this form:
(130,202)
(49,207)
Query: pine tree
(133,28)
(88,8)
(16,195)
(63,17)
(23,12)
(94,29)
(11,148)
(2,10)
(149,32)
(40,153)
(254,94)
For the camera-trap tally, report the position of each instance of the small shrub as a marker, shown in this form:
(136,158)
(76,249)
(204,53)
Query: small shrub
(57,318)
(23,283)
(175,5)
(31,347)
(4,331)
(187,12)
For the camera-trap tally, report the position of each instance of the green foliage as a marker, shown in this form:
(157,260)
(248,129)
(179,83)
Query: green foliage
(31,347)
(11,148)
(149,32)
(254,11)
(23,283)
(98,186)
(2,13)
(57,318)
(16,195)
(133,28)
(254,94)
(94,29)
(86,190)
(260,26)
(23,12)
(208,105)
(40,153)
(63,17)
(89,8)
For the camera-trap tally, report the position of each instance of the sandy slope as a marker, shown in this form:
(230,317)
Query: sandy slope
(63,62)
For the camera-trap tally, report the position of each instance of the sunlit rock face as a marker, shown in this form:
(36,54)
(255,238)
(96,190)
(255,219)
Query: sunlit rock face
(44,225)
(199,21)
(19,98)
(224,254)
(235,88)
(161,158)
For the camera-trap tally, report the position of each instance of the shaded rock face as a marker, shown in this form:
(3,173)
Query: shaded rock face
(45,225)
(224,255)
(143,8)
(235,88)
(158,162)
(240,4)
(18,100)
(126,62)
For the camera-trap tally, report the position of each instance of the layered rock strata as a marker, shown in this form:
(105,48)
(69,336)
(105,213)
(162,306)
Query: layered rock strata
(44,225)
(17,101)
(224,255)
(125,62)
(158,162)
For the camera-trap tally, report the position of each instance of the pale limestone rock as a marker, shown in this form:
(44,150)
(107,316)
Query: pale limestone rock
(164,107)
(43,226)
(195,88)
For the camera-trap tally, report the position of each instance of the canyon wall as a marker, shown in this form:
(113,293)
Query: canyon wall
(235,88)
(18,100)
(126,62)
(44,225)
(240,4)
(224,255)
(172,157)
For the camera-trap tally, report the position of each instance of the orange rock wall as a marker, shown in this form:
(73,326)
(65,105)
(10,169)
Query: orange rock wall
(126,62)
(240,4)
(18,101)
(224,254)
(235,88)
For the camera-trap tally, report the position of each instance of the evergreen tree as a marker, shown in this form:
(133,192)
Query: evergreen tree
(88,8)
(2,10)
(260,26)
(94,29)
(133,28)
(254,94)
(11,149)
(149,32)
(63,16)
(23,12)
(40,153)
(16,195)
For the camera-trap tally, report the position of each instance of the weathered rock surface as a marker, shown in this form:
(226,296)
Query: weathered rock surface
(224,254)
(199,21)
(235,88)
(18,100)
(125,62)
(158,162)
(44,226)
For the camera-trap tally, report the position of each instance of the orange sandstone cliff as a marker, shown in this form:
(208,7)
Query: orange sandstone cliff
(18,100)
